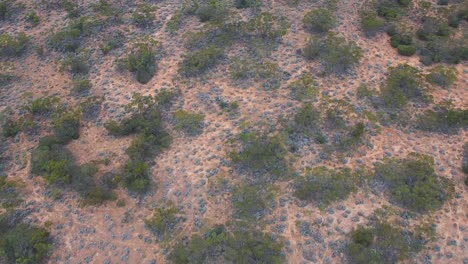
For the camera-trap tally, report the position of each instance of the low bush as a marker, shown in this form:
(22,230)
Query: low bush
(33,18)
(145,119)
(114,40)
(163,220)
(381,244)
(69,39)
(307,120)
(335,53)
(189,123)
(465,161)
(263,155)
(442,119)
(67,125)
(25,244)
(404,83)
(247,3)
(13,46)
(412,183)
(81,86)
(43,105)
(9,193)
(4,10)
(371,22)
(249,203)
(142,60)
(175,22)
(11,128)
(442,76)
(75,64)
(304,88)
(211,10)
(217,245)
(319,20)
(406,50)
(201,60)
(323,186)
(144,15)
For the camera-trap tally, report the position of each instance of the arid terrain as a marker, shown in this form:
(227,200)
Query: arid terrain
(199,173)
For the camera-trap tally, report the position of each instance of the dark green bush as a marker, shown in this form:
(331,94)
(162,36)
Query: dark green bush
(13,45)
(381,244)
(335,53)
(262,154)
(9,194)
(211,10)
(33,18)
(146,120)
(323,186)
(370,22)
(442,119)
(71,7)
(190,123)
(67,125)
(163,220)
(412,183)
(390,9)
(4,10)
(319,20)
(201,60)
(401,39)
(403,83)
(406,50)
(307,120)
(142,60)
(51,160)
(247,3)
(11,128)
(219,246)
(75,63)
(266,26)
(25,244)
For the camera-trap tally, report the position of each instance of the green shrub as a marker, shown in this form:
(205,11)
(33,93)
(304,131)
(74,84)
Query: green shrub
(319,20)
(163,220)
(144,15)
(370,22)
(33,18)
(114,40)
(71,7)
(11,128)
(13,45)
(142,60)
(401,39)
(267,71)
(175,23)
(25,244)
(406,50)
(412,183)
(4,10)
(307,120)
(403,83)
(266,26)
(211,10)
(442,76)
(390,9)
(146,120)
(323,186)
(190,123)
(9,194)
(465,161)
(67,125)
(263,155)
(201,60)
(304,88)
(136,176)
(43,105)
(249,202)
(75,63)
(52,161)
(91,107)
(69,39)
(381,244)
(219,246)
(335,53)
(443,119)
(81,86)
(247,3)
